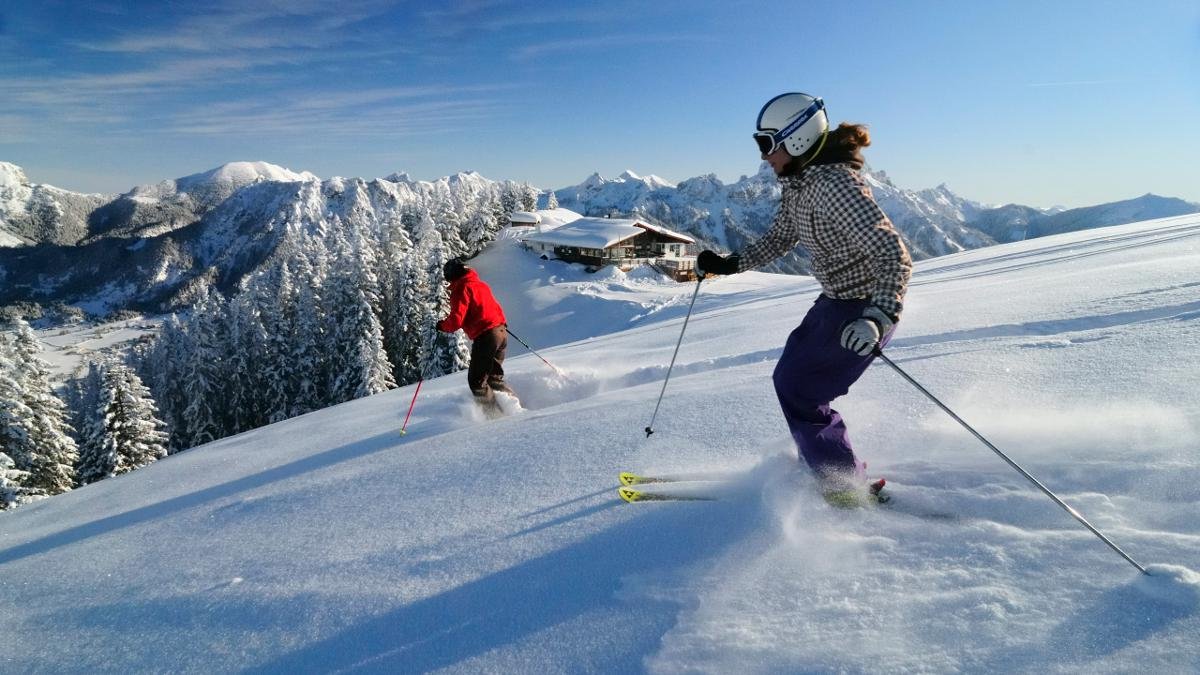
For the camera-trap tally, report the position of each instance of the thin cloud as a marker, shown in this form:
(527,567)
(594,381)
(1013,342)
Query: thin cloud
(256,27)
(378,113)
(1075,83)
(601,42)
(89,89)
(468,17)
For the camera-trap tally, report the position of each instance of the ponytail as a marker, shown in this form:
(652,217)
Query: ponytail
(840,146)
(851,137)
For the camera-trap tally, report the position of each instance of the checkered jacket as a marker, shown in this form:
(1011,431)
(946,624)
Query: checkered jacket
(856,252)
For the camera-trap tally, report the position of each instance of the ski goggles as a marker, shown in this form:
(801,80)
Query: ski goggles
(769,140)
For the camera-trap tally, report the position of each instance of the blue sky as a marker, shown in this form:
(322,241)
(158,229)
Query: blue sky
(1040,103)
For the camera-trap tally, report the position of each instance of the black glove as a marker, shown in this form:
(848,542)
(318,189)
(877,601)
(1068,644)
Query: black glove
(712,263)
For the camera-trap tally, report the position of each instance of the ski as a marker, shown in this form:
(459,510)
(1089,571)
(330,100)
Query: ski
(629,478)
(633,494)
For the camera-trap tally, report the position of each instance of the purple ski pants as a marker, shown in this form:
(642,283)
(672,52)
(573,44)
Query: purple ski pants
(813,370)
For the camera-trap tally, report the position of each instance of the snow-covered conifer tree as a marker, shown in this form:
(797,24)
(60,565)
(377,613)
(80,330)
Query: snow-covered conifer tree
(13,491)
(482,225)
(450,224)
(93,463)
(551,200)
(500,217)
(360,364)
(411,285)
(124,432)
(309,360)
(442,352)
(246,338)
(51,465)
(204,373)
(529,197)
(395,248)
(510,198)
(433,302)
(17,432)
(162,368)
(272,295)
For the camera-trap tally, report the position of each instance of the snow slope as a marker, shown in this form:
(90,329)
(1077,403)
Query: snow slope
(331,543)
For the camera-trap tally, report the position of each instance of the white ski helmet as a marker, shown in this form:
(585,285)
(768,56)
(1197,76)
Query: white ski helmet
(796,121)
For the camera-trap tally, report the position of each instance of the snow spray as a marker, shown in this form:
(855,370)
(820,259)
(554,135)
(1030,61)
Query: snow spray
(1066,507)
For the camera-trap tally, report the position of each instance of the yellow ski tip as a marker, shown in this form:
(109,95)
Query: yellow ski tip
(628,478)
(629,494)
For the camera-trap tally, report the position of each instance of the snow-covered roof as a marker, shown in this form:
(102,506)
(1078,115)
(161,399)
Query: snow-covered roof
(670,234)
(590,233)
(602,233)
(524,218)
(552,218)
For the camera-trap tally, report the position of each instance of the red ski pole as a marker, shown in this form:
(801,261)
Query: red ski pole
(404,427)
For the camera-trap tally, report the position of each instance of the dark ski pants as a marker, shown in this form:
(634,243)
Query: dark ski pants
(813,370)
(486,371)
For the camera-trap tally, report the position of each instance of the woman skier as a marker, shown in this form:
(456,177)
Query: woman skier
(858,258)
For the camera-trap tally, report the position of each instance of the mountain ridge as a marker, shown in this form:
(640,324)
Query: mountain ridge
(142,249)
(934,221)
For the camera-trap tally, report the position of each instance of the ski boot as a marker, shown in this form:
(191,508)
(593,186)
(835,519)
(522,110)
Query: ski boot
(489,405)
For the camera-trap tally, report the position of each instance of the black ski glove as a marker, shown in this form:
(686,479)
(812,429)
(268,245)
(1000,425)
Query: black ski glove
(712,263)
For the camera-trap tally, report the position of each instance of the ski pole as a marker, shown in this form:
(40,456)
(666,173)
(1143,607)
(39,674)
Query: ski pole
(404,427)
(555,368)
(650,427)
(1075,514)
(420,381)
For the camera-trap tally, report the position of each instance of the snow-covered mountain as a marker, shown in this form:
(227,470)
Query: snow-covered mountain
(725,216)
(933,222)
(42,214)
(331,543)
(147,248)
(151,210)
(1146,207)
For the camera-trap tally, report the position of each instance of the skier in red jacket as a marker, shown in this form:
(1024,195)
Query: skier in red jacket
(474,309)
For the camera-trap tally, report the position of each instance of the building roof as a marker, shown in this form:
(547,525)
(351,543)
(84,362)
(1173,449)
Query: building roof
(589,233)
(602,233)
(524,218)
(670,234)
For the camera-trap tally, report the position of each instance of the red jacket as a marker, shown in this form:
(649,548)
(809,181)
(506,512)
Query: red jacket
(473,308)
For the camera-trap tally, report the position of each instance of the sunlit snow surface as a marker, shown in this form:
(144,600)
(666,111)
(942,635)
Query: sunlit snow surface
(330,543)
